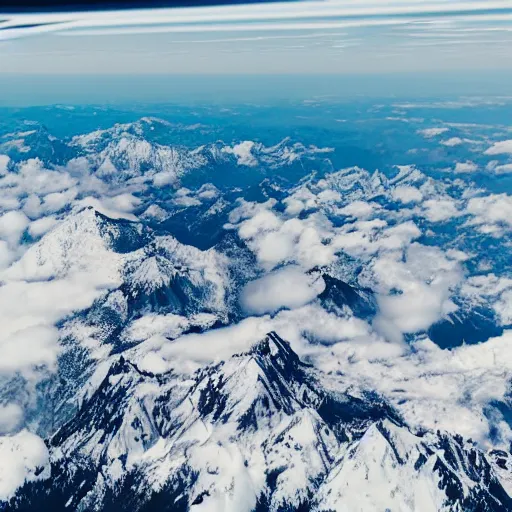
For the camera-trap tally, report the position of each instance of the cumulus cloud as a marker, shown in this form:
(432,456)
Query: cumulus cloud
(12,226)
(184,199)
(305,199)
(9,203)
(494,290)
(503,307)
(243,153)
(500,148)
(491,213)
(28,347)
(6,254)
(359,209)
(57,201)
(32,206)
(415,283)
(300,326)
(41,226)
(41,191)
(407,194)
(109,207)
(450,390)
(208,191)
(126,203)
(276,240)
(414,291)
(288,287)
(11,417)
(440,210)
(29,338)
(500,169)
(4,162)
(463,167)
(23,457)
(367,238)
(429,133)
(453,141)
(33,178)
(293,206)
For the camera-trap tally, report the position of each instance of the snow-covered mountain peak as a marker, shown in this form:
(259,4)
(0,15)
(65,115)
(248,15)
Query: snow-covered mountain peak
(263,425)
(86,241)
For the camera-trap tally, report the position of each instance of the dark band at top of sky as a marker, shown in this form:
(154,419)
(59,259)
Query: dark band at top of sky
(19,6)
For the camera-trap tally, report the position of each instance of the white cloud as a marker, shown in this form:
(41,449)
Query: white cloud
(192,349)
(457,255)
(12,226)
(6,254)
(243,153)
(154,363)
(164,178)
(32,177)
(297,326)
(304,199)
(64,272)
(432,132)
(45,191)
(440,210)
(288,287)
(4,162)
(366,238)
(25,348)
(23,457)
(453,141)
(186,201)
(491,213)
(208,191)
(106,206)
(122,202)
(9,203)
(504,307)
(11,417)
(413,311)
(328,196)
(433,388)
(463,167)
(263,221)
(481,288)
(485,285)
(293,206)
(32,206)
(155,212)
(503,169)
(500,148)
(359,209)
(56,201)
(414,292)
(41,226)
(406,194)
(276,241)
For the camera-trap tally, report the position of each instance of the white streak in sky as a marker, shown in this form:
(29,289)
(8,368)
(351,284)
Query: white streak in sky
(192,19)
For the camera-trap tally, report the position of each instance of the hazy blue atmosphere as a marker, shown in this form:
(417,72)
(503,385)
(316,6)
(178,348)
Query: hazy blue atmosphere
(28,89)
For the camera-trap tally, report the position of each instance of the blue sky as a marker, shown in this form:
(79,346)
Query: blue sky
(307,37)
